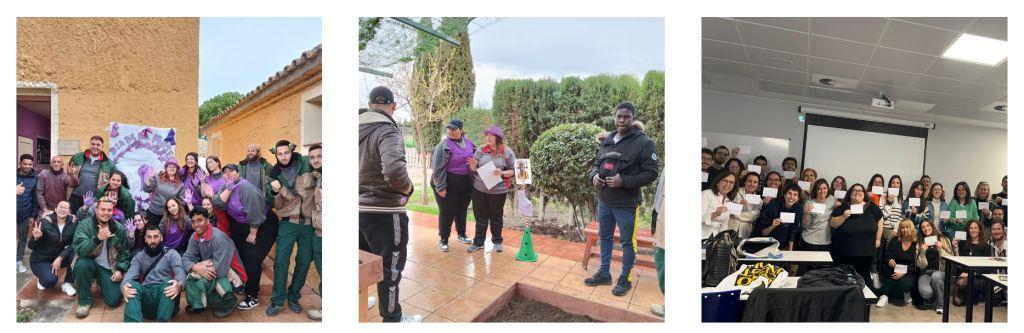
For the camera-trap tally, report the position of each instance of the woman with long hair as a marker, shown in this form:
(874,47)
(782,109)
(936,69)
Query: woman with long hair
(981,194)
(175,225)
(876,181)
(856,236)
(192,176)
(838,184)
(961,201)
(162,186)
(714,212)
(936,205)
(744,222)
(933,269)
(976,245)
(817,234)
(50,241)
(919,212)
(117,186)
(210,187)
(899,269)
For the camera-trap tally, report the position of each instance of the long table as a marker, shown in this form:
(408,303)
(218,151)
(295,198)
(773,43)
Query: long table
(971,265)
(990,281)
(791,282)
(796,258)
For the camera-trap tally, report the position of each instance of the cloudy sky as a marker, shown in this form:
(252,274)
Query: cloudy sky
(555,48)
(238,54)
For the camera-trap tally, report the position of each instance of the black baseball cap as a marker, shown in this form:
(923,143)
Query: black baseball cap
(231,166)
(455,123)
(381,95)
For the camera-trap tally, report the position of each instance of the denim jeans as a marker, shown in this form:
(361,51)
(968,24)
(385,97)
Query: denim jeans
(624,217)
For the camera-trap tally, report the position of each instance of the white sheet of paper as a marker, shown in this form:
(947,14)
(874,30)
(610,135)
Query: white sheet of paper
(752,199)
(894,191)
(840,194)
(931,240)
(944,214)
(787,217)
(744,149)
(1006,201)
(806,186)
(734,208)
(857,209)
(754,168)
(704,177)
(915,201)
(877,190)
(961,214)
(818,208)
(901,269)
(789,174)
(486,173)
(770,192)
(983,205)
(960,235)
(704,141)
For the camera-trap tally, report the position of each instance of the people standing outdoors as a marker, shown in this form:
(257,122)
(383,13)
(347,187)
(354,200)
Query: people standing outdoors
(625,163)
(291,184)
(770,223)
(175,225)
(855,237)
(256,170)
(209,189)
(154,281)
(161,186)
(192,176)
(103,253)
(658,309)
(316,158)
(210,260)
(54,184)
(452,182)
(962,201)
(933,268)
(93,168)
(29,204)
(246,212)
(384,190)
(899,269)
(117,188)
(50,242)
(489,202)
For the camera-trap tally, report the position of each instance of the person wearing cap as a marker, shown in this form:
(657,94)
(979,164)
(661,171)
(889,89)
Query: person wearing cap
(452,182)
(161,186)
(625,163)
(489,202)
(93,168)
(384,189)
(246,210)
(292,185)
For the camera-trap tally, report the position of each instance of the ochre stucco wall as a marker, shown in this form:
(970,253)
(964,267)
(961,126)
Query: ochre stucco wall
(263,125)
(130,70)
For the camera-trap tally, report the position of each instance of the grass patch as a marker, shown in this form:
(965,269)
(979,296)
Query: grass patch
(25,314)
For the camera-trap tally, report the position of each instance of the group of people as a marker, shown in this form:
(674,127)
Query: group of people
(894,236)
(204,231)
(625,163)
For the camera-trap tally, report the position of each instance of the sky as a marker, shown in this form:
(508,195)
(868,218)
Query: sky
(554,48)
(238,54)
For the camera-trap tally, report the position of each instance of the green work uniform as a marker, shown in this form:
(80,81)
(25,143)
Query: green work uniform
(200,293)
(150,303)
(288,236)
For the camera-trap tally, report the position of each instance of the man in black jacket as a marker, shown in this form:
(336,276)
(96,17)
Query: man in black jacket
(625,163)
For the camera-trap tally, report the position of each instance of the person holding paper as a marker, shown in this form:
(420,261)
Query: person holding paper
(626,161)
(706,167)
(714,212)
(817,234)
(899,272)
(930,250)
(976,245)
(962,201)
(876,189)
(855,237)
(773,223)
(773,181)
(914,207)
(936,205)
(789,164)
(762,162)
(981,195)
(489,201)
(452,182)
(751,201)
(891,206)
(999,197)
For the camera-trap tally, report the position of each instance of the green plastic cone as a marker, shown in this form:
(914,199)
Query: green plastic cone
(526,248)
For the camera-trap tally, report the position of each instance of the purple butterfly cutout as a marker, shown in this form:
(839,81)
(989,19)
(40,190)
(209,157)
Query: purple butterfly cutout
(114,130)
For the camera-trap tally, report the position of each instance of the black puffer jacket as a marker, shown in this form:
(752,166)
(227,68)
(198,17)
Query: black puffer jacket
(384,184)
(634,158)
(53,243)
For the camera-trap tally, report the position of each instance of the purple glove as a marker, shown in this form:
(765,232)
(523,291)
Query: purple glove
(89,199)
(230,186)
(188,195)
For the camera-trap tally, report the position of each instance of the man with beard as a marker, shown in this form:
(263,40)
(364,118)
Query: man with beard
(153,282)
(103,255)
(54,184)
(291,184)
(316,155)
(256,170)
(93,168)
(213,266)
(246,211)
(28,204)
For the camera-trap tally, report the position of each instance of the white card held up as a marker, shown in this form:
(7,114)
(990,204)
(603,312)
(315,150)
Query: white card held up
(752,199)
(894,191)
(704,177)
(770,192)
(930,240)
(486,173)
(960,235)
(818,208)
(754,168)
(787,217)
(944,214)
(857,209)
(877,190)
(734,208)
(983,205)
(840,194)
(915,201)
(961,214)
(789,174)
(1006,201)
(902,269)
(806,186)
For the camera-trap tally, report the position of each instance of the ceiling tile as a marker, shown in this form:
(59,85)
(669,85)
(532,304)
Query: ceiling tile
(900,60)
(725,67)
(951,23)
(910,94)
(968,113)
(995,77)
(955,101)
(829,94)
(794,23)
(773,38)
(959,70)
(983,92)
(917,38)
(770,58)
(783,88)
(938,85)
(719,29)
(872,89)
(720,50)
(991,27)
(861,29)
(841,69)
(888,77)
(780,75)
(831,48)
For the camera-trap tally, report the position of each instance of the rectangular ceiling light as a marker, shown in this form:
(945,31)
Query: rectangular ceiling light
(977,49)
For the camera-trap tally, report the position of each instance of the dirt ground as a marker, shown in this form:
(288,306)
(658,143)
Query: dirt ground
(523,310)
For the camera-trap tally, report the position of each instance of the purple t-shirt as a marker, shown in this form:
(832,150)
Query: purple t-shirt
(457,163)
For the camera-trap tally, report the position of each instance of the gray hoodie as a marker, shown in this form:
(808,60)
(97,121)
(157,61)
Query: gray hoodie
(213,244)
(159,191)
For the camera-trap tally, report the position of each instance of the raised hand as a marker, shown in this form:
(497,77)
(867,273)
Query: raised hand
(188,196)
(276,185)
(37,230)
(207,190)
(89,199)
(104,233)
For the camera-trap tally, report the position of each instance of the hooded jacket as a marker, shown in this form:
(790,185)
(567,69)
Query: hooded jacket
(54,242)
(28,202)
(160,189)
(384,184)
(107,167)
(318,203)
(125,202)
(87,244)
(243,165)
(293,201)
(634,159)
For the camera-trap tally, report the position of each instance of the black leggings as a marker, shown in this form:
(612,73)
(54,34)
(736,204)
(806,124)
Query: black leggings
(252,255)
(488,210)
(454,205)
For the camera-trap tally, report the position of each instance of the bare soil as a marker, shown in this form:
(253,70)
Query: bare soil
(524,310)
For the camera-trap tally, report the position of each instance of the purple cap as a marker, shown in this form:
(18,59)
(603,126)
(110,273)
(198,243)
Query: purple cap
(496,131)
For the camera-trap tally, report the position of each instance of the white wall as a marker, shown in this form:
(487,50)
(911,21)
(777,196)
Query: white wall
(954,152)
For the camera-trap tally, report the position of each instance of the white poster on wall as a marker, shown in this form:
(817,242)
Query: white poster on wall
(139,151)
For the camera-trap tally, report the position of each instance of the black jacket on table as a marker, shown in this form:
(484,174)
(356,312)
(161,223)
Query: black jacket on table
(820,304)
(53,243)
(634,159)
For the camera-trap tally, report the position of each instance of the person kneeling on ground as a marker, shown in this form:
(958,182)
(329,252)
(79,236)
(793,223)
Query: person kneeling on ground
(154,281)
(899,265)
(103,252)
(213,268)
(50,242)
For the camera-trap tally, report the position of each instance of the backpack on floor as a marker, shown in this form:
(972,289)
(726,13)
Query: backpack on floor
(721,257)
(841,275)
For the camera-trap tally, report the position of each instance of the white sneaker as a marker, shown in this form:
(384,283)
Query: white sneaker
(370,302)
(875,281)
(412,319)
(882,301)
(939,310)
(68,289)
(39,286)
(21,268)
